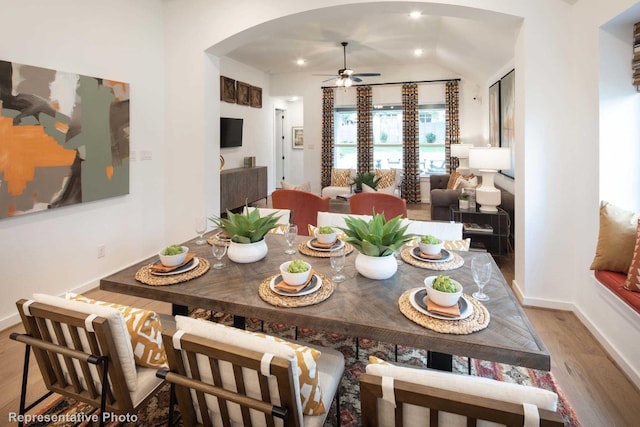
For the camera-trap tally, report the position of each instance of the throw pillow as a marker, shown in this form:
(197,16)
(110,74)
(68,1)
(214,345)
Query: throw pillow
(144,328)
(457,245)
(303,358)
(469,181)
(305,186)
(340,177)
(452,180)
(387,190)
(387,178)
(616,239)
(633,276)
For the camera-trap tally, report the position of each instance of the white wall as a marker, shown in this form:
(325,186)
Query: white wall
(55,251)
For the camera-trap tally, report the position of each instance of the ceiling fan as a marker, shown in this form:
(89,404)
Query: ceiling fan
(346,76)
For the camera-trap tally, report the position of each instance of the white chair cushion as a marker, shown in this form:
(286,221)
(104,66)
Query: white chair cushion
(117,326)
(337,219)
(441,229)
(477,386)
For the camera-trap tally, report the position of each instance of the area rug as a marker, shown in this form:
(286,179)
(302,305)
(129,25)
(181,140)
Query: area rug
(156,412)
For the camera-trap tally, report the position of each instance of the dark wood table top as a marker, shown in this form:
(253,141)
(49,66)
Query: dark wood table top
(359,306)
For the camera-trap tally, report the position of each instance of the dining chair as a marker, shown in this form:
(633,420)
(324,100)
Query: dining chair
(228,376)
(84,353)
(368,203)
(304,207)
(283,221)
(392,395)
(445,230)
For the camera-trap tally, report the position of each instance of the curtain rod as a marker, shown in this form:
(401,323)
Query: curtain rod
(395,83)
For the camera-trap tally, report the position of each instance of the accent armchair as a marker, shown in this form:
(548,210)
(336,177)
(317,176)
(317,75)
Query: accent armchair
(367,203)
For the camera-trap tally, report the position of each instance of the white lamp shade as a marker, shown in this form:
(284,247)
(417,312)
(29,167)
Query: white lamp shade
(460,151)
(491,158)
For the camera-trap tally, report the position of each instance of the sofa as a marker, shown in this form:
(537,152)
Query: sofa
(442,198)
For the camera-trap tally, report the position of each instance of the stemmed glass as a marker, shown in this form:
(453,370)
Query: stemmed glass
(201,227)
(290,236)
(219,251)
(481,270)
(337,258)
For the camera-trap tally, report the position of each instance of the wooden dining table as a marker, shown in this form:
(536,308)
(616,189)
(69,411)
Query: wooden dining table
(359,306)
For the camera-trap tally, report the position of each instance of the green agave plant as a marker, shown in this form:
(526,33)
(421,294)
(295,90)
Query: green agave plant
(377,237)
(248,227)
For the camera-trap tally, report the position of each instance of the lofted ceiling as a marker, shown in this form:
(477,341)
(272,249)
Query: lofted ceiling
(471,44)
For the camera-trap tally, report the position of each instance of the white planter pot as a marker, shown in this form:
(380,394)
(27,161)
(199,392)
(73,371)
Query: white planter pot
(463,204)
(377,268)
(244,253)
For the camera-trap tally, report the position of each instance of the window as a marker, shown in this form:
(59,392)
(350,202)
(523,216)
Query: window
(387,137)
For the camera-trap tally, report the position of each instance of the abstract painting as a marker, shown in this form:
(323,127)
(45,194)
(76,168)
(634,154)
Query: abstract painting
(64,139)
(507,117)
(494,114)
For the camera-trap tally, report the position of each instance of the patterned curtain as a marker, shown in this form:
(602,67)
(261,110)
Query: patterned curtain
(410,147)
(365,129)
(452,132)
(327,136)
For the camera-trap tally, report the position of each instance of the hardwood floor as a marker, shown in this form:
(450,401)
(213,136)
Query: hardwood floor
(597,389)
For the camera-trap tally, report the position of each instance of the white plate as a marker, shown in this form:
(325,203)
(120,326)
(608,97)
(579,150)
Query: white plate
(187,267)
(313,287)
(310,246)
(446,255)
(418,300)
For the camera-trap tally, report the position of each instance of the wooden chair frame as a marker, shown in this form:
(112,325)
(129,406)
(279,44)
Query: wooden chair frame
(437,400)
(111,394)
(240,359)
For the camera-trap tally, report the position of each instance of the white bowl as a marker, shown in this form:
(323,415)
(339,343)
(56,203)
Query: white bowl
(173,260)
(430,249)
(294,279)
(444,299)
(326,238)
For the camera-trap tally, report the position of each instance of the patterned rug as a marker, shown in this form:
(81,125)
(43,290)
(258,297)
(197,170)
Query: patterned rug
(156,412)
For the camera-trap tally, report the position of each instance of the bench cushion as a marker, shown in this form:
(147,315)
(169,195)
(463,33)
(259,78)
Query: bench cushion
(614,281)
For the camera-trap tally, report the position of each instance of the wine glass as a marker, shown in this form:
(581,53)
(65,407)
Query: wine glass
(200,227)
(481,270)
(219,251)
(290,235)
(337,258)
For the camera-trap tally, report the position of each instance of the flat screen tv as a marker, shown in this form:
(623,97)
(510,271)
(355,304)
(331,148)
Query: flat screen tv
(230,132)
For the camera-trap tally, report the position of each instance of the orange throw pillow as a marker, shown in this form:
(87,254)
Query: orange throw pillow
(616,239)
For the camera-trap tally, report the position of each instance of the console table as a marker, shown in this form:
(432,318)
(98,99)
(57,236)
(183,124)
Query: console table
(240,186)
(493,229)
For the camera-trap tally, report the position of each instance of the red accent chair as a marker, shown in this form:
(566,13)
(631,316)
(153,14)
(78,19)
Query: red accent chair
(368,203)
(304,207)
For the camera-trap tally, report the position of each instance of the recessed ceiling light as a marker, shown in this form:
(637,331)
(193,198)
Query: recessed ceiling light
(418,52)
(415,14)
(301,61)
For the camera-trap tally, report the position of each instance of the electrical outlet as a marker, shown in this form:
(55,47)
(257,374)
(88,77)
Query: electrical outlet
(102,251)
(145,155)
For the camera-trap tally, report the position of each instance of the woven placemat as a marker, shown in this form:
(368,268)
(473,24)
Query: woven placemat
(477,321)
(267,295)
(213,240)
(144,275)
(306,250)
(455,262)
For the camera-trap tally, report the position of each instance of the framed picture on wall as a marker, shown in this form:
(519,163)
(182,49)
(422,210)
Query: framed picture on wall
(494,114)
(297,137)
(227,90)
(242,93)
(507,117)
(255,96)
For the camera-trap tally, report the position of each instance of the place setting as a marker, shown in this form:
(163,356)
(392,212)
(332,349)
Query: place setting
(296,285)
(175,264)
(442,306)
(429,253)
(320,245)
(219,238)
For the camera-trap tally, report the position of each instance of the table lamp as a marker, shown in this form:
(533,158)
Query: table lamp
(461,151)
(489,160)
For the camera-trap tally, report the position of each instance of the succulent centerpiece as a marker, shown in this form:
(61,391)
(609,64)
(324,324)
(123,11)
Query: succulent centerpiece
(376,241)
(246,231)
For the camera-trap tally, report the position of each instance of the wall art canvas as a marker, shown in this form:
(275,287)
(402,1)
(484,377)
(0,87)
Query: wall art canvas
(507,117)
(494,114)
(64,139)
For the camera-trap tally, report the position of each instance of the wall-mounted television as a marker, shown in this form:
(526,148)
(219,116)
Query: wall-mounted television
(230,132)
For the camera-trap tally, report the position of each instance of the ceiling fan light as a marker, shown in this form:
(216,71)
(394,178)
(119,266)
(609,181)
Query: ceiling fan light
(348,82)
(348,72)
(340,81)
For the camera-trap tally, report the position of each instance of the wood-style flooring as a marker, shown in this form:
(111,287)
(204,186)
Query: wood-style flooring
(597,389)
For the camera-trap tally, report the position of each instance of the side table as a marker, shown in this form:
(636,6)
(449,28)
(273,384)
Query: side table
(488,230)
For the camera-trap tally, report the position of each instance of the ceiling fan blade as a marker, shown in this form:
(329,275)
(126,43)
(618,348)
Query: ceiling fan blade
(323,75)
(366,74)
(328,80)
(355,79)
